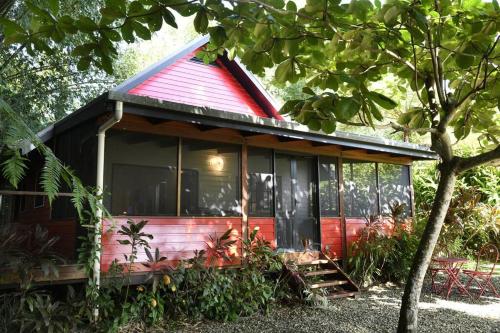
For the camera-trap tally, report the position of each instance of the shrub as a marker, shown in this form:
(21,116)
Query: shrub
(205,291)
(377,257)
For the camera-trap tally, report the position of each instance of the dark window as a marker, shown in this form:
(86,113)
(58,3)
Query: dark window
(141,174)
(394,184)
(360,189)
(328,187)
(211,180)
(260,182)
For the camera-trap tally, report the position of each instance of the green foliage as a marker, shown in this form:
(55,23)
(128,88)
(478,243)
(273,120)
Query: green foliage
(472,218)
(382,258)
(206,291)
(23,249)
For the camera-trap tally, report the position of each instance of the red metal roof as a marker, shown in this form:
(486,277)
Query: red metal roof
(190,81)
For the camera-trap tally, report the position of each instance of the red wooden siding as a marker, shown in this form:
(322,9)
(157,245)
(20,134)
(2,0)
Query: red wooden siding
(331,236)
(198,84)
(266,228)
(175,237)
(355,226)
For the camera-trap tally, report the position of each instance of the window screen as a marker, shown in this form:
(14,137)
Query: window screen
(141,174)
(260,182)
(360,188)
(211,180)
(328,187)
(394,184)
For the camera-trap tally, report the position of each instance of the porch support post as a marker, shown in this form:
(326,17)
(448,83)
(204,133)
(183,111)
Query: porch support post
(412,192)
(101,140)
(244,193)
(179,177)
(342,212)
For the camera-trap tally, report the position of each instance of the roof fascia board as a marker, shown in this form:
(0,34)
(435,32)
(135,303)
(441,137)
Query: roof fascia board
(208,116)
(90,110)
(157,67)
(252,85)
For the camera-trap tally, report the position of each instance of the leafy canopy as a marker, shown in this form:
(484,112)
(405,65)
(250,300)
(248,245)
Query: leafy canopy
(445,51)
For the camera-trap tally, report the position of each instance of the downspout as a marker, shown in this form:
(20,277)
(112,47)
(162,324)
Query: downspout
(101,138)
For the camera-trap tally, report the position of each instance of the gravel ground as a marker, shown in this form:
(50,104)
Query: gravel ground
(376,310)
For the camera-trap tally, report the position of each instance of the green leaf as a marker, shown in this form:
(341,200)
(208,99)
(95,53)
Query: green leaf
(83,63)
(86,24)
(283,71)
(345,108)
(382,100)
(141,31)
(328,126)
(169,18)
(217,35)
(314,124)
(155,19)
(111,13)
(201,21)
(309,91)
(128,32)
(83,50)
(391,15)
(464,61)
(10,27)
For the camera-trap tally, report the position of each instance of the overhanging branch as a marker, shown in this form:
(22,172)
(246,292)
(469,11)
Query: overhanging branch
(489,157)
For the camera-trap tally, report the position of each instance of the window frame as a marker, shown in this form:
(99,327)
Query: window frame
(377,200)
(273,185)
(239,151)
(330,160)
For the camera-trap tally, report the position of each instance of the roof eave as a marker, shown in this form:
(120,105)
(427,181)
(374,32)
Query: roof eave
(209,116)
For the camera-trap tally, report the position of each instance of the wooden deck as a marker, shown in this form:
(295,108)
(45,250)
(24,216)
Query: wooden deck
(66,274)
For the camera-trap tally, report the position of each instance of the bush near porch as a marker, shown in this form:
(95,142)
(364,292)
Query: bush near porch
(196,289)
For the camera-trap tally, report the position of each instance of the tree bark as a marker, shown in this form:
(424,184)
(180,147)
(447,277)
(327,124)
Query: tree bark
(408,316)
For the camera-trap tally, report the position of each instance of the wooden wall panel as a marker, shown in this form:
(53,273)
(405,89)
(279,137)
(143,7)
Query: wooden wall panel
(266,228)
(331,236)
(176,237)
(195,83)
(355,226)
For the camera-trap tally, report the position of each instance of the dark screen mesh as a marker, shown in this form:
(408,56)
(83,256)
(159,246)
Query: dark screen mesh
(260,182)
(328,187)
(394,184)
(360,188)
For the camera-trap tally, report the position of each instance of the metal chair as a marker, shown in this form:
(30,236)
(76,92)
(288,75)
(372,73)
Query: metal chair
(487,259)
(434,268)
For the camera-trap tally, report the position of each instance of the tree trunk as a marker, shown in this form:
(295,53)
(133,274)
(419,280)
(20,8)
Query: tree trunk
(409,308)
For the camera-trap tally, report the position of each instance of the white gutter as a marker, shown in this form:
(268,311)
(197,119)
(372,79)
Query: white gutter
(101,139)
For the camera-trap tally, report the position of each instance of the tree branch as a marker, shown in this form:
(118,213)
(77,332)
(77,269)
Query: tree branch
(436,68)
(400,128)
(492,156)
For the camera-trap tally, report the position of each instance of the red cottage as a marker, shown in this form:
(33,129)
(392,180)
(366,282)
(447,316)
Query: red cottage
(199,148)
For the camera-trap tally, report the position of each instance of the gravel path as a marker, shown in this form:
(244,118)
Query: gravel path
(376,310)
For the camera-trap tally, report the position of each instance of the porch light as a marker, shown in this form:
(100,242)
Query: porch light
(216,163)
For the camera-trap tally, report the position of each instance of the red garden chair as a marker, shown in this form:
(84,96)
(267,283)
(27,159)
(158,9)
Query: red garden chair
(481,275)
(436,268)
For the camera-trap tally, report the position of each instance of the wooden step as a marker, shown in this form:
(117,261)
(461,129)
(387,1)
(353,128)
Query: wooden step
(341,294)
(328,284)
(321,272)
(314,262)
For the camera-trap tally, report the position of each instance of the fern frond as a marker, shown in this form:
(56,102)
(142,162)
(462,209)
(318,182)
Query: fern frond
(51,176)
(14,167)
(79,194)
